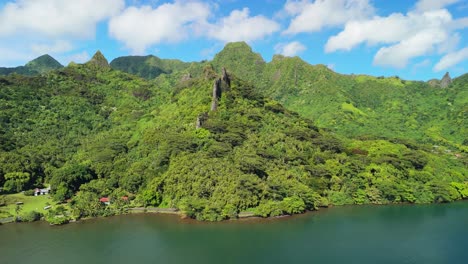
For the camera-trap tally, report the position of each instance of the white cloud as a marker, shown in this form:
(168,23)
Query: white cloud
(399,54)
(140,27)
(59,46)
(428,5)
(80,57)
(56,18)
(451,59)
(422,64)
(290,49)
(313,16)
(405,36)
(240,26)
(384,30)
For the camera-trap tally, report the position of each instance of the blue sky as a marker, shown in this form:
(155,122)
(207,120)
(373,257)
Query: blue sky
(414,39)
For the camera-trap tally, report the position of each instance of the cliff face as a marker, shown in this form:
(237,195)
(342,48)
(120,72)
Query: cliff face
(220,85)
(216,94)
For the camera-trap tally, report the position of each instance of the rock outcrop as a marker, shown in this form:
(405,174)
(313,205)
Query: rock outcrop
(186,77)
(446,81)
(220,85)
(217,92)
(201,119)
(225,78)
(434,83)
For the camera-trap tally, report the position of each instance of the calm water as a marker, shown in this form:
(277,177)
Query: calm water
(388,234)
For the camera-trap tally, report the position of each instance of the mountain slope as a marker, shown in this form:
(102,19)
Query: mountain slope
(358,105)
(42,64)
(91,131)
(148,67)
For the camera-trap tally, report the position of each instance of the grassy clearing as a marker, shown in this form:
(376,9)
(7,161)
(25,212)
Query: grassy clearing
(30,203)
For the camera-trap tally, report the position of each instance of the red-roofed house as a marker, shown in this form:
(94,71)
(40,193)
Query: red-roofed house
(105,200)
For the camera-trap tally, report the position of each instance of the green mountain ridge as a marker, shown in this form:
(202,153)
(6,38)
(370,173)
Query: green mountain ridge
(40,65)
(148,67)
(359,105)
(91,131)
(351,105)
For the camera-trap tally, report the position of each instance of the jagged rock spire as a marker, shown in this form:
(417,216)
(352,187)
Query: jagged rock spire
(216,94)
(446,81)
(226,78)
(220,85)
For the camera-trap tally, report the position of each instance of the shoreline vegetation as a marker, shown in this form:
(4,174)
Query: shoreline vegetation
(215,139)
(245,215)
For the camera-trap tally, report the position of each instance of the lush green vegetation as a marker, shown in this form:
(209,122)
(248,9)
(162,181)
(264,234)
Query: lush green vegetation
(42,64)
(91,131)
(148,67)
(357,105)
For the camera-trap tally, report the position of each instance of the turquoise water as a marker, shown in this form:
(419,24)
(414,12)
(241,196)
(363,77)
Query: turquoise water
(423,234)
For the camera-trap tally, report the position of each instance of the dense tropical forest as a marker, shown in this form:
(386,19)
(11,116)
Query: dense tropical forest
(217,138)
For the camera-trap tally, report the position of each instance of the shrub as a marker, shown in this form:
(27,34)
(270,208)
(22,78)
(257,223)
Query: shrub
(29,192)
(30,216)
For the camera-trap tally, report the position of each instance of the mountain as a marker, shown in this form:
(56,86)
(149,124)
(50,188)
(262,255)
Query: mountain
(239,57)
(42,64)
(358,105)
(211,145)
(148,67)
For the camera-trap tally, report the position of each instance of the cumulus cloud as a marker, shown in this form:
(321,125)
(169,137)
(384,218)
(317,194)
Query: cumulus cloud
(399,54)
(451,59)
(80,57)
(56,18)
(290,49)
(140,27)
(56,47)
(382,30)
(428,5)
(314,16)
(405,36)
(240,26)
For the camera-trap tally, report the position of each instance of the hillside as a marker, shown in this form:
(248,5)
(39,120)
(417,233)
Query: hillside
(358,105)
(211,145)
(42,64)
(148,67)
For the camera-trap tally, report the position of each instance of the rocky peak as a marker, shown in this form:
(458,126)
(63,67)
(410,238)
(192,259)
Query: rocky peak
(241,45)
(446,81)
(239,58)
(99,60)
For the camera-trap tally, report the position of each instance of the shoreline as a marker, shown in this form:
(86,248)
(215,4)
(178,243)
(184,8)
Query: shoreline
(180,216)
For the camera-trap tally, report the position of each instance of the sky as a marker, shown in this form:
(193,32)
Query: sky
(413,39)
